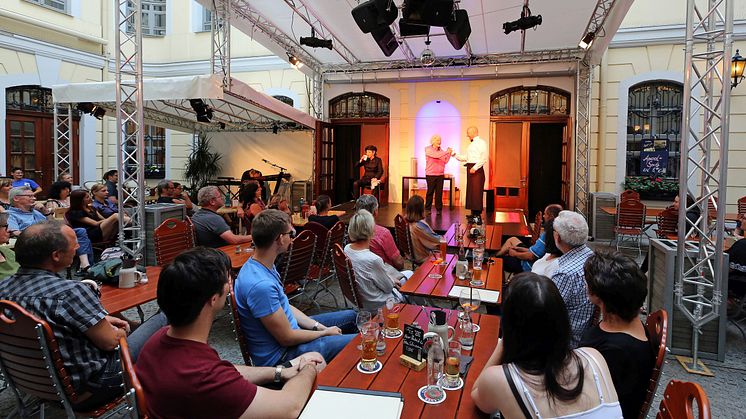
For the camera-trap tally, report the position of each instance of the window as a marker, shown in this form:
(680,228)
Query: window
(153,17)
(284,99)
(539,100)
(206,19)
(359,105)
(58,5)
(29,98)
(155,151)
(653,124)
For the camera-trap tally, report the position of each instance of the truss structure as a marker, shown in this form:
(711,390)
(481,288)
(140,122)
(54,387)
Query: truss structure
(62,139)
(598,18)
(129,113)
(583,78)
(220,58)
(699,277)
(310,16)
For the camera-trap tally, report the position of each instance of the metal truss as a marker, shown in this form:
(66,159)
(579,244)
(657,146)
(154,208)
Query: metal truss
(583,78)
(317,96)
(62,139)
(220,59)
(699,276)
(306,13)
(598,18)
(129,112)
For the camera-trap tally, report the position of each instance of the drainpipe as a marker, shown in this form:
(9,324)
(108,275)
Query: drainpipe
(602,115)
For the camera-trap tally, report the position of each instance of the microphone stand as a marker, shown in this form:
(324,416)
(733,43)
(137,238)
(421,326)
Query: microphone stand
(279,176)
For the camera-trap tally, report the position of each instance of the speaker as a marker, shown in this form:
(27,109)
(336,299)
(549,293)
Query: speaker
(386,40)
(407,29)
(428,12)
(374,14)
(458,30)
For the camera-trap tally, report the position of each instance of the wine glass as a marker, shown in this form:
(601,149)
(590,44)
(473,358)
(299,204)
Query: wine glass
(362,319)
(470,300)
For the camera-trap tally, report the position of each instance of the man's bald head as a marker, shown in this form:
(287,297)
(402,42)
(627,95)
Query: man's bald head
(37,243)
(472,132)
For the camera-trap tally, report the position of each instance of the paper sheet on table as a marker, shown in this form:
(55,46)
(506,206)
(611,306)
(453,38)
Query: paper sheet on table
(333,403)
(486,296)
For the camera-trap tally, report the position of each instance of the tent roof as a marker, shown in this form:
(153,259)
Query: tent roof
(166,103)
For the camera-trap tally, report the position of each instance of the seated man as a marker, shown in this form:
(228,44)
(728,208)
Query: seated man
(276,331)
(23,214)
(210,227)
(111,178)
(182,376)
(86,335)
(167,194)
(517,257)
(382,242)
(19,180)
(570,236)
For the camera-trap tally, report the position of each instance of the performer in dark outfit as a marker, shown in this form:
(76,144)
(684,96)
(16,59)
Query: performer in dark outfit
(373,169)
(475,158)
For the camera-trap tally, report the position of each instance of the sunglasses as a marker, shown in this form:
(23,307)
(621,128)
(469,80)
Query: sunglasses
(291,233)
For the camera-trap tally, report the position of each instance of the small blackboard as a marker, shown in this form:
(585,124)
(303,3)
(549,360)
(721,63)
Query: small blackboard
(413,341)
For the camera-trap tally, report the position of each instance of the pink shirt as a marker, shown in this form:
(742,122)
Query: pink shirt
(435,161)
(383,245)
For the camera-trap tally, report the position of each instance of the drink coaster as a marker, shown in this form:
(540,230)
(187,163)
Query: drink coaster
(377,367)
(475,328)
(421,393)
(446,386)
(393,334)
(434,276)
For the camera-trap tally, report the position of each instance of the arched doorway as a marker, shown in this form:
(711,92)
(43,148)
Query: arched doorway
(530,147)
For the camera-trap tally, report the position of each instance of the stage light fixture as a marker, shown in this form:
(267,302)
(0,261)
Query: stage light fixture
(737,65)
(295,61)
(204,112)
(587,40)
(314,42)
(275,129)
(91,109)
(526,21)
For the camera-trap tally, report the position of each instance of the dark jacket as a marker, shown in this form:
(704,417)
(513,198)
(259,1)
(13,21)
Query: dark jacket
(373,168)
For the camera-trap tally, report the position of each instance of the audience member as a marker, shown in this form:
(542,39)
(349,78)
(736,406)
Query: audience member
(101,202)
(59,196)
(372,170)
(183,376)
(210,228)
(275,330)
(382,243)
(5,187)
(279,202)
(82,215)
(255,176)
(323,205)
(375,282)
(534,372)
(167,194)
(19,180)
(549,263)
(87,337)
(618,288)
(65,177)
(737,264)
(517,257)
(252,203)
(8,264)
(424,238)
(111,178)
(570,235)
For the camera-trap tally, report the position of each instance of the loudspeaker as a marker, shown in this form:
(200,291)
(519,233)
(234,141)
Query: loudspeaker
(374,14)
(428,12)
(386,40)
(407,29)
(458,31)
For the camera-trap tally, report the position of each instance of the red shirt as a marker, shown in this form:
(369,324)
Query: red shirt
(383,245)
(187,379)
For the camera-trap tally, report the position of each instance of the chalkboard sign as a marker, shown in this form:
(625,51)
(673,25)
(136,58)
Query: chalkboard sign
(653,163)
(413,341)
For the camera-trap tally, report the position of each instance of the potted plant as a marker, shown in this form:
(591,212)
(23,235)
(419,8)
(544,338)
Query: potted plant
(652,187)
(201,166)
(155,171)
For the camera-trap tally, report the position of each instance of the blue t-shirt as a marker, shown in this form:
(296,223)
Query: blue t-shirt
(19,219)
(539,249)
(25,182)
(259,293)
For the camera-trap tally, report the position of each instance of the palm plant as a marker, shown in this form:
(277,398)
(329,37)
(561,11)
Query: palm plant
(202,165)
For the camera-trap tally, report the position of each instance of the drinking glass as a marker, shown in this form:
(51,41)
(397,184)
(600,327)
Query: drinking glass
(453,363)
(443,247)
(437,261)
(362,319)
(478,257)
(470,300)
(368,356)
(465,331)
(476,277)
(434,373)
(392,317)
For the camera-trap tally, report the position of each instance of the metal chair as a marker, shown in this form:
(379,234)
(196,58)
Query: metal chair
(31,363)
(171,238)
(678,401)
(404,238)
(346,276)
(656,326)
(668,224)
(630,224)
(134,394)
(629,194)
(236,324)
(294,264)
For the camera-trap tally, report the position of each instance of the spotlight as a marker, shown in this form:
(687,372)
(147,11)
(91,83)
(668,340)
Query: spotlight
(525,22)
(314,42)
(204,112)
(91,109)
(587,40)
(295,61)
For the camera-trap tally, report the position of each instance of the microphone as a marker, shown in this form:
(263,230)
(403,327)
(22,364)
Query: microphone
(265,160)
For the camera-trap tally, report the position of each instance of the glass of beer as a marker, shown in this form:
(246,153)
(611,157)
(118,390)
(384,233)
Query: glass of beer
(391,312)
(443,250)
(476,277)
(369,339)
(453,363)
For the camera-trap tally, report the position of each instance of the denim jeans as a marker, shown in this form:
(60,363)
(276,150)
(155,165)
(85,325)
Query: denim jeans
(86,248)
(328,346)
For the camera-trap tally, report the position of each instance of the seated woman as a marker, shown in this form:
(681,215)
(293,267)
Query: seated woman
(375,282)
(5,187)
(59,196)
(251,203)
(323,205)
(101,202)
(533,372)
(8,264)
(618,287)
(549,263)
(424,239)
(279,202)
(83,215)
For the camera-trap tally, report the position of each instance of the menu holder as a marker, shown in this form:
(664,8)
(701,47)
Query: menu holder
(412,343)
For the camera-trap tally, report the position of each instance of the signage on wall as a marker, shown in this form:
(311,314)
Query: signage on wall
(653,163)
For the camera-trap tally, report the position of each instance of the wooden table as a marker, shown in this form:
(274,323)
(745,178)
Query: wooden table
(237,259)
(115,299)
(405,180)
(493,237)
(423,286)
(394,377)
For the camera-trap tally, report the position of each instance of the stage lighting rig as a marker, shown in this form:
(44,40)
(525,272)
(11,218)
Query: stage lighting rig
(314,42)
(91,109)
(527,21)
(203,111)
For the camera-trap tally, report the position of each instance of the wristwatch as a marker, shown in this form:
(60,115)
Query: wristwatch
(315,327)
(278,373)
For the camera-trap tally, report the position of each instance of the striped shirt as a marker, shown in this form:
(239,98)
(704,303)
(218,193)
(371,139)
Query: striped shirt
(570,280)
(70,308)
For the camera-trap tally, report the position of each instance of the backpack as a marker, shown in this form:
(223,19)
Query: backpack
(105,271)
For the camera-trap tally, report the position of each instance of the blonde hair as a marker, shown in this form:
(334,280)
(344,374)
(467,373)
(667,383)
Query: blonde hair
(97,187)
(5,182)
(362,226)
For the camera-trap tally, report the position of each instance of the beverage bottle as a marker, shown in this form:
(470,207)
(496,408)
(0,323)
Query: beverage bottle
(462,265)
(381,344)
(303,208)
(227,198)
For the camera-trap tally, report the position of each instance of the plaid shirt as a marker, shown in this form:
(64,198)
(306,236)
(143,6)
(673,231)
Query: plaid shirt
(70,308)
(570,281)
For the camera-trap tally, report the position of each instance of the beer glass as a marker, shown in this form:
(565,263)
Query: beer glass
(391,312)
(368,356)
(453,364)
(362,319)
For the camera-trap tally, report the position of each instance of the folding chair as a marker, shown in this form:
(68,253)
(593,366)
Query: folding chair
(346,276)
(294,264)
(171,238)
(134,394)
(236,324)
(668,224)
(322,268)
(742,205)
(629,194)
(678,401)
(656,326)
(404,239)
(630,224)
